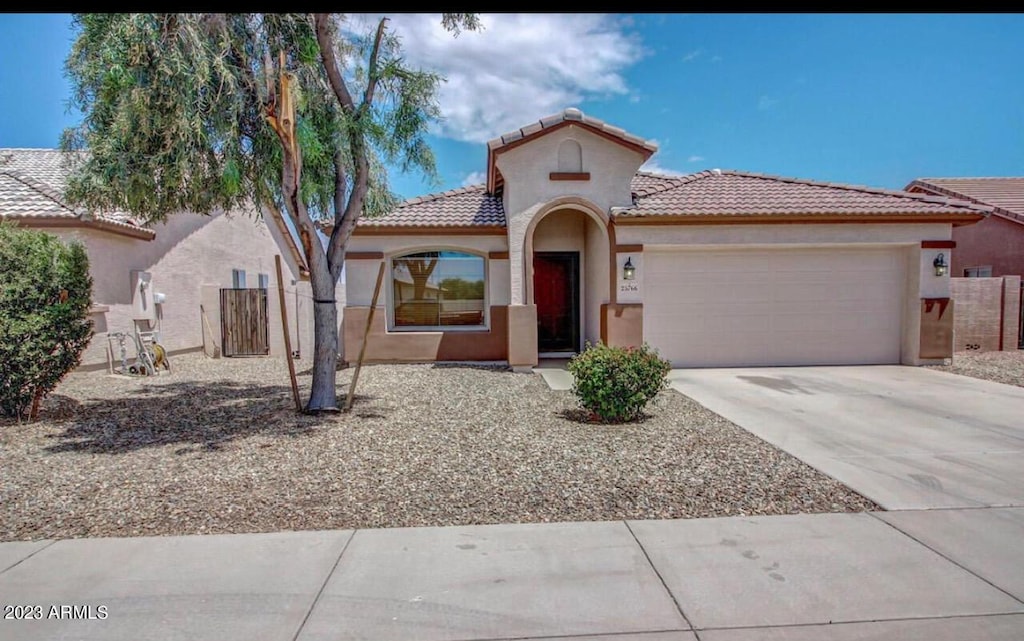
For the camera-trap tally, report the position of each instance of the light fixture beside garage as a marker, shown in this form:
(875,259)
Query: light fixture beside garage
(628,270)
(940,265)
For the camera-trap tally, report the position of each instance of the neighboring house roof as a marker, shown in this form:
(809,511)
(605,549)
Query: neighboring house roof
(1005,195)
(32,185)
(32,189)
(711,193)
(570,116)
(735,195)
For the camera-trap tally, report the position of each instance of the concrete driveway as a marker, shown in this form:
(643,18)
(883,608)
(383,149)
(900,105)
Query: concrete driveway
(905,437)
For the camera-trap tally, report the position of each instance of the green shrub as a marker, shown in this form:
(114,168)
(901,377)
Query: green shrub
(45,292)
(616,383)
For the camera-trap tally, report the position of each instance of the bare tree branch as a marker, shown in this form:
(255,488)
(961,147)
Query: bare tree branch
(344,225)
(325,38)
(372,75)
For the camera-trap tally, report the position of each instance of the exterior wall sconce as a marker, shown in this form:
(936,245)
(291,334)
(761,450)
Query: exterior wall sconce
(628,270)
(940,265)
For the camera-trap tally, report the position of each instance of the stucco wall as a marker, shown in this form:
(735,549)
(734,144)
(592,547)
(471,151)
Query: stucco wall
(651,234)
(596,279)
(383,346)
(528,188)
(994,241)
(526,171)
(189,252)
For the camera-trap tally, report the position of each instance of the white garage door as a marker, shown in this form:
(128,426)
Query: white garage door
(755,306)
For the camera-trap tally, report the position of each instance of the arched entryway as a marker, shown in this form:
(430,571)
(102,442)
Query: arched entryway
(566,276)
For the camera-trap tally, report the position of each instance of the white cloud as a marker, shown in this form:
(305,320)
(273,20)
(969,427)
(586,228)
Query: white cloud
(695,158)
(766,102)
(655,168)
(693,55)
(474,178)
(519,68)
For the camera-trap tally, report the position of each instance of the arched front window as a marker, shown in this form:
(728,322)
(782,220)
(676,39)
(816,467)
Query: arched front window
(442,288)
(570,157)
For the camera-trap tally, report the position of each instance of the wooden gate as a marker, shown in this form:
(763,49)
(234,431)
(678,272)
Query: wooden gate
(244,323)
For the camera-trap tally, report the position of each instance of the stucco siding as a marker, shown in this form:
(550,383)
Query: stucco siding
(526,170)
(994,242)
(595,275)
(752,234)
(189,254)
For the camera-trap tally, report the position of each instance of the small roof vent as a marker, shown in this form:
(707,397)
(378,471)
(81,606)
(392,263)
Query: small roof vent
(717,172)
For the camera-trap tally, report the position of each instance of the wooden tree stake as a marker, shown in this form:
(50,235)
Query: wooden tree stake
(287,337)
(366,337)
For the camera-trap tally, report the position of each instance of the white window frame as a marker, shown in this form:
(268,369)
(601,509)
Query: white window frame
(390,293)
(264,281)
(238,278)
(978,268)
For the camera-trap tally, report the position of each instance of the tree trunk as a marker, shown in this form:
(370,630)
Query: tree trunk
(323,397)
(33,413)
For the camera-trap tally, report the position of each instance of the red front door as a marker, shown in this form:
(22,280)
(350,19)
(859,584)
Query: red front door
(556,293)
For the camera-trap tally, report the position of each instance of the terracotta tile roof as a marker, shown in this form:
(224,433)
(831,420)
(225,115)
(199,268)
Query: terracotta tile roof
(466,207)
(31,186)
(734,193)
(645,183)
(570,115)
(712,192)
(1005,195)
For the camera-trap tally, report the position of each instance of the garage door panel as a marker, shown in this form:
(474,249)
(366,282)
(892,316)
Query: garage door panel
(775,306)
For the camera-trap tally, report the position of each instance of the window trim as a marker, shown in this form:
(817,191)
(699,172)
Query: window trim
(238,277)
(978,267)
(390,292)
(263,281)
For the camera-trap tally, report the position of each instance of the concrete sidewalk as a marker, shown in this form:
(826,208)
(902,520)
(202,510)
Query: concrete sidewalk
(939,574)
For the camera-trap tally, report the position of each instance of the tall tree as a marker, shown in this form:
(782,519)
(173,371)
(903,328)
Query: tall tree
(295,114)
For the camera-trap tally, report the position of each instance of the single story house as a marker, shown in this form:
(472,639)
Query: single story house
(995,246)
(569,242)
(168,276)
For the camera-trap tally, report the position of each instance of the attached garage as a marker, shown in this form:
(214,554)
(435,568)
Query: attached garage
(796,305)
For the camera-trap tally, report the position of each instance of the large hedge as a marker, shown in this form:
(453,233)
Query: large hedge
(45,293)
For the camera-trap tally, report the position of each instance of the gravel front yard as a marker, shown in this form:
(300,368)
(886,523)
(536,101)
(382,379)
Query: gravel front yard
(1001,367)
(215,448)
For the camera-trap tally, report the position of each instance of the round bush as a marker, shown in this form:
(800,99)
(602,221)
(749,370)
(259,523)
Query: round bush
(616,383)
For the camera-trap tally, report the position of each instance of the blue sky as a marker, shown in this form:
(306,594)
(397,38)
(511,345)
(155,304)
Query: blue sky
(865,99)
